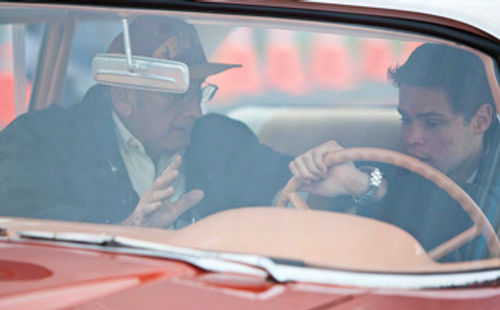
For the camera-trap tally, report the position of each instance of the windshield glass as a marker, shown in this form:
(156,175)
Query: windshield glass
(194,124)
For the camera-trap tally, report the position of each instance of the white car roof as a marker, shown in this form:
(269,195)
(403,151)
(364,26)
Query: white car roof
(482,14)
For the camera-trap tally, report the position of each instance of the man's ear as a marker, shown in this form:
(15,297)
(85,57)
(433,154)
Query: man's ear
(122,100)
(482,120)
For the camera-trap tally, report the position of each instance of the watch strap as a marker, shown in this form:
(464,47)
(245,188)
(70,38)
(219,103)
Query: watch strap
(375,178)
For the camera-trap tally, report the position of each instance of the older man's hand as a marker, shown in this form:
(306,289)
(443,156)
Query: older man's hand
(155,208)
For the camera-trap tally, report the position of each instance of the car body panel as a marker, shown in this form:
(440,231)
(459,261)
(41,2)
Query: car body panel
(124,281)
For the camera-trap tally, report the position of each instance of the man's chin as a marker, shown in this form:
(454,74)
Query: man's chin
(433,164)
(418,156)
(176,144)
(427,161)
(424,159)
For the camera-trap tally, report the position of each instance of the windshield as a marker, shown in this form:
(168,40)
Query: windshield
(196,123)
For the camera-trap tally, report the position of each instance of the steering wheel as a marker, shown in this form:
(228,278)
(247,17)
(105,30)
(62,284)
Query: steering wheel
(481,223)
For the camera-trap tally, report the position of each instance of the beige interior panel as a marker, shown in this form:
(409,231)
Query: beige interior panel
(294,131)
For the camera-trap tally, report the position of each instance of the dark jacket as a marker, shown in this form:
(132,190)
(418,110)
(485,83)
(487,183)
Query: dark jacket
(430,214)
(65,164)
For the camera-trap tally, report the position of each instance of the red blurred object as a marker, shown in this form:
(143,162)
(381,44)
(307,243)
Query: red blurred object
(285,70)
(331,66)
(237,48)
(377,56)
(408,48)
(7,105)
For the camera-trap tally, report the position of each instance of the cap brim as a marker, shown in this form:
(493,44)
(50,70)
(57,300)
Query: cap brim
(201,71)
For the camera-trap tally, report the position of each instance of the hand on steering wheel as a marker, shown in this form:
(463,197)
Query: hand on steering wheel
(481,223)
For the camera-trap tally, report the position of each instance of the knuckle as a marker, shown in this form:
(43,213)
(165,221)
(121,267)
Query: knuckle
(307,159)
(331,143)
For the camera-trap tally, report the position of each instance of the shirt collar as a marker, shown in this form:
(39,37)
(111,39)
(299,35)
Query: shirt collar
(126,138)
(472,177)
(487,150)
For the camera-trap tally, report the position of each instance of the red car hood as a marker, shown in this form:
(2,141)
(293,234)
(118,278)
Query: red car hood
(42,276)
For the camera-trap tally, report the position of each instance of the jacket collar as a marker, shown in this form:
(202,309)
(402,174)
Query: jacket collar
(95,127)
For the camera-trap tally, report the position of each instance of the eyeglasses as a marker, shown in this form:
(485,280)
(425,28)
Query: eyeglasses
(205,93)
(208,91)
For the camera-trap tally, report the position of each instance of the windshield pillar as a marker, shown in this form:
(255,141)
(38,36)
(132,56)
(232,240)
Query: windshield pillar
(19,58)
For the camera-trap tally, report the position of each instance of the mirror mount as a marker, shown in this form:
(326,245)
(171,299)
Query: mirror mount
(140,72)
(128,49)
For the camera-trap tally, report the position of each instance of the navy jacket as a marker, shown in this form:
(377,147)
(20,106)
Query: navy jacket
(428,213)
(65,164)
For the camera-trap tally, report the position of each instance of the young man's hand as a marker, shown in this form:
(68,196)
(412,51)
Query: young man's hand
(342,179)
(155,208)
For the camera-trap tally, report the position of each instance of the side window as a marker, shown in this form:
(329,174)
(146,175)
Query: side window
(85,45)
(298,89)
(19,46)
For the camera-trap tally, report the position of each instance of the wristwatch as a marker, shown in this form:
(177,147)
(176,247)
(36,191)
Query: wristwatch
(374,183)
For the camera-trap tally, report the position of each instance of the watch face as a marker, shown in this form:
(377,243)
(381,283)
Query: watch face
(376,177)
(374,183)
(375,174)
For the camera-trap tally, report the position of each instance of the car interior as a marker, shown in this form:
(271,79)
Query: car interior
(59,77)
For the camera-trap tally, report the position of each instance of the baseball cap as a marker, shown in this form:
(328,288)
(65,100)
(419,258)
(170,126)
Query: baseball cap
(169,38)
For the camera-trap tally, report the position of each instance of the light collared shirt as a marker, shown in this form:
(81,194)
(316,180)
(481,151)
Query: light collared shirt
(472,177)
(140,167)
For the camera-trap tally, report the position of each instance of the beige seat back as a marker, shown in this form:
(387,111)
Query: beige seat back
(294,131)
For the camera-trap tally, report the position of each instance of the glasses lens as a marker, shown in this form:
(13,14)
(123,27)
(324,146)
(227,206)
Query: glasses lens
(208,92)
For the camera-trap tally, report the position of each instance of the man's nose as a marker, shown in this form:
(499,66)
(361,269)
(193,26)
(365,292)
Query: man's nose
(193,109)
(413,135)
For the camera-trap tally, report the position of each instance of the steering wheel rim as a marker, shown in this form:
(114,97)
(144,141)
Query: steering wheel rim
(481,223)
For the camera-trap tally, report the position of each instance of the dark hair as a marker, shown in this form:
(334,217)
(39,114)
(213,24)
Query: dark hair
(459,73)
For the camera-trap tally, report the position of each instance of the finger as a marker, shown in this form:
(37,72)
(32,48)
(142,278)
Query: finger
(160,195)
(174,210)
(296,173)
(299,172)
(332,144)
(145,209)
(176,163)
(310,163)
(303,169)
(165,179)
(142,217)
(152,207)
(324,149)
(188,200)
(293,169)
(319,162)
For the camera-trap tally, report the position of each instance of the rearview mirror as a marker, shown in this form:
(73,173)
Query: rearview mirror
(140,72)
(146,73)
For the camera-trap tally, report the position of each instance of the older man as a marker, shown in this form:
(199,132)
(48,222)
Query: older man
(137,157)
(449,121)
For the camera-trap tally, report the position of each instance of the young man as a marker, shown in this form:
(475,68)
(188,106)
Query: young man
(448,120)
(137,157)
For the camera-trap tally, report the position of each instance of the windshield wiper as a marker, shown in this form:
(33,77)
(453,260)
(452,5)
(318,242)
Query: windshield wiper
(277,269)
(72,237)
(207,260)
